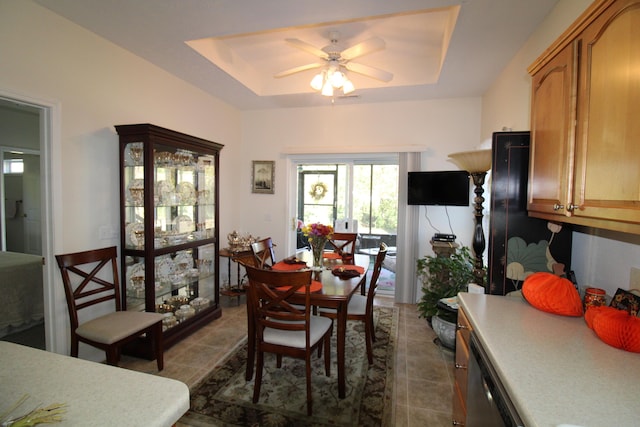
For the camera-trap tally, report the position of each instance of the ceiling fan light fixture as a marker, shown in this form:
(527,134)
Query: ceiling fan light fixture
(347,87)
(327,89)
(337,79)
(317,81)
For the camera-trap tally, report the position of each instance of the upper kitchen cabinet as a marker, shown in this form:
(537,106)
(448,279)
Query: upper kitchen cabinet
(552,138)
(169,226)
(585,132)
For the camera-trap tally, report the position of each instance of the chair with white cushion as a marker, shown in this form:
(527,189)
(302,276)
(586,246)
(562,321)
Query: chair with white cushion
(282,328)
(91,278)
(361,306)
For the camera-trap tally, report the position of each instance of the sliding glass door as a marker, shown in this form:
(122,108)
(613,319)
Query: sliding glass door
(360,195)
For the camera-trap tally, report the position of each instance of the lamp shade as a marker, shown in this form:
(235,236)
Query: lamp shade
(472,161)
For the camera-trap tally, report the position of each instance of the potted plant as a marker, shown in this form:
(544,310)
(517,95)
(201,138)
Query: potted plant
(443,277)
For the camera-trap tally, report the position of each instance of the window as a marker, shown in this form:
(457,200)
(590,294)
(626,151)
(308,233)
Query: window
(13,166)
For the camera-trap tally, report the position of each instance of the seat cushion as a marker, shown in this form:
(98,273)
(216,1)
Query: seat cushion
(357,306)
(318,326)
(115,326)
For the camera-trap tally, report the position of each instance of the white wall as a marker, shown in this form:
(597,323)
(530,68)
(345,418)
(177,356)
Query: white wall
(96,85)
(440,126)
(599,258)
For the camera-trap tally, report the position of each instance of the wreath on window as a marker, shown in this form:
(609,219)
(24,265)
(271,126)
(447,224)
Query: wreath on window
(318,191)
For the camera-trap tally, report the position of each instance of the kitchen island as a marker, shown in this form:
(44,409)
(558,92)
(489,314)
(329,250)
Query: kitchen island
(95,394)
(554,368)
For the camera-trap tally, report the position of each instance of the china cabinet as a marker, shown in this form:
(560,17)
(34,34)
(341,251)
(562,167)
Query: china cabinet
(583,123)
(169,226)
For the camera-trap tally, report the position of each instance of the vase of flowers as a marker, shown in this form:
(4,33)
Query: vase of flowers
(317,235)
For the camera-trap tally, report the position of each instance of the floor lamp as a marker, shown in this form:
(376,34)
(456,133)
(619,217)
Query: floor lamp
(477,163)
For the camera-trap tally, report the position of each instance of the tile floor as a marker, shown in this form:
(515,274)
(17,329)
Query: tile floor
(424,370)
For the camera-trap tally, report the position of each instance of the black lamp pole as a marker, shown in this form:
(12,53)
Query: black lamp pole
(478,235)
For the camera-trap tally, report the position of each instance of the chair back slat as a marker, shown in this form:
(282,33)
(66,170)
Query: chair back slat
(264,253)
(85,272)
(375,275)
(344,243)
(269,292)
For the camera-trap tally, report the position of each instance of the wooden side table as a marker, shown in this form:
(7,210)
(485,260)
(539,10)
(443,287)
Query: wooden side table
(238,289)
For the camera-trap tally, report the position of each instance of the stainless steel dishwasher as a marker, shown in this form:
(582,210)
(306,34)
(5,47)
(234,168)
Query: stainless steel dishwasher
(488,404)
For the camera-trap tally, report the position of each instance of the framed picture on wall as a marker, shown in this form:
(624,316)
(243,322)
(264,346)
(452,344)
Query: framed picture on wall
(263,176)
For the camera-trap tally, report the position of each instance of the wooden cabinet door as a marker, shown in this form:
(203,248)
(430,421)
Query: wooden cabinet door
(607,175)
(463,336)
(552,135)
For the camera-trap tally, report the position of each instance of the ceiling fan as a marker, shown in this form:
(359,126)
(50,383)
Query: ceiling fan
(336,56)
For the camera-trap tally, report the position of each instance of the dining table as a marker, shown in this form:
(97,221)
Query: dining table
(335,293)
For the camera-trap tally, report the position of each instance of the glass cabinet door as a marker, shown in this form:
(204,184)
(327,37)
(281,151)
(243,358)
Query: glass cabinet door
(183,283)
(169,226)
(184,185)
(134,195)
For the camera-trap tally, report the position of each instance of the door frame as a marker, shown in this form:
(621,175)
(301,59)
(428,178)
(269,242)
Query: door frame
(51,212)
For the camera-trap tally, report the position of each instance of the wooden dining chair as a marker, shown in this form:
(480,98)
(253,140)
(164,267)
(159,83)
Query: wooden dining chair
(263,253)
(361,306)
(280,327)
(91,278)
(344,244)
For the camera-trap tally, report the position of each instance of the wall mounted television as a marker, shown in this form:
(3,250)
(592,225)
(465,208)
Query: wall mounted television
(443,188)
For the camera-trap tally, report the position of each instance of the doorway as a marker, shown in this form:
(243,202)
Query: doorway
(354,195)
(21,217)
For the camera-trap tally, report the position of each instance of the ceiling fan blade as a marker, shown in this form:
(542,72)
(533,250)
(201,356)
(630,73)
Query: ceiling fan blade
(368,71)
(307,48)
(363,48)
(294,70)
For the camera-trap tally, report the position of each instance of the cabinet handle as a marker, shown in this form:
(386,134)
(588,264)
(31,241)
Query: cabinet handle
(459,366)
(557,207)
(457,423)
(462,326)
(572,208)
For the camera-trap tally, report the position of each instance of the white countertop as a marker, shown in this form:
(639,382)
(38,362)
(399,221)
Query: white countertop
(555,369)
(96,394)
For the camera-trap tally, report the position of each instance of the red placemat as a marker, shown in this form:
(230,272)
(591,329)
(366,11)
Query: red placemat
(315,287)
(283,266)
(331,255)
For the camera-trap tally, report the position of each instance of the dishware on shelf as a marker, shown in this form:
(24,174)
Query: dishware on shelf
(185,312)
(186,192)
(135,234)
(169,320)
(164,267)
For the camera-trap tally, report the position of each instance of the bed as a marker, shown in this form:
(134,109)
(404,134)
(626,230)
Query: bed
(22,291)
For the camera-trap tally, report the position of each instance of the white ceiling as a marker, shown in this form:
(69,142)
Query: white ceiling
(434,48)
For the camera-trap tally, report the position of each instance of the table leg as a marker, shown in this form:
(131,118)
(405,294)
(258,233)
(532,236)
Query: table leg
(251,342)
(341,338)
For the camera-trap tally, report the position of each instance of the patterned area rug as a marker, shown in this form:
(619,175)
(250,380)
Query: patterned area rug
(386,281)
(223,398)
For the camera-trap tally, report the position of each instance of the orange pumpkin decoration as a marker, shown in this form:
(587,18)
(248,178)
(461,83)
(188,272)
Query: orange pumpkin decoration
(553,294)
(591,314)
(615,327)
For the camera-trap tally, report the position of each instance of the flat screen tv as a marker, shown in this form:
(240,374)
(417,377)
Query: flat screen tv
(443,188)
